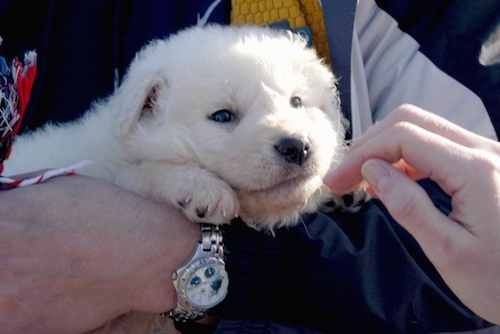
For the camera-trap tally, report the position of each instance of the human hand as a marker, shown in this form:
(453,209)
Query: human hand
(77,253)
(464,246)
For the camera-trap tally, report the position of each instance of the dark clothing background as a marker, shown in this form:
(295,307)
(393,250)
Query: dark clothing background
(334,272)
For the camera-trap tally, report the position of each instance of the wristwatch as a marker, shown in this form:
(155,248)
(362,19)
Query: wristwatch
(202,282)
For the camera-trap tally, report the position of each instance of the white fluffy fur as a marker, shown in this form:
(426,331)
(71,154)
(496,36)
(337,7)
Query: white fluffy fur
(155,137)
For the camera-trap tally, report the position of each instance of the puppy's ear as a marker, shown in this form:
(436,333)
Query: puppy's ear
(150,101)
(136,99)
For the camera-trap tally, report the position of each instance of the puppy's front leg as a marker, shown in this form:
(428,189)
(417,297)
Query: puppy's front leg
(202,195)
(199,193)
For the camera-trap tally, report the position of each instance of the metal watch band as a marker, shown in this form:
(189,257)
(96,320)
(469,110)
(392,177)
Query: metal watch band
(210,245)
(211,239)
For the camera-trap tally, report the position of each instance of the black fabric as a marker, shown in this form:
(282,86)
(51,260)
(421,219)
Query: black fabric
(452,33)
(342,273)
(339,24)
(260,327)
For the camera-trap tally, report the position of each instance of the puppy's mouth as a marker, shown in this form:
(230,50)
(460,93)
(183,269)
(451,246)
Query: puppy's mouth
(285,185)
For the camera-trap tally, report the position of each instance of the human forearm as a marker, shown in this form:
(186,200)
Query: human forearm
(76,252)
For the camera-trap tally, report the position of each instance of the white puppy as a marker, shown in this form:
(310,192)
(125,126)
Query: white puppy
(218,121)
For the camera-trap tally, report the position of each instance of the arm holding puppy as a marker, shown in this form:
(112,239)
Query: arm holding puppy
(411,144)
(77,253)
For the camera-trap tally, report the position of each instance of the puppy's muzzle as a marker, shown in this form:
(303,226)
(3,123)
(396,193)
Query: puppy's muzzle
(293,150)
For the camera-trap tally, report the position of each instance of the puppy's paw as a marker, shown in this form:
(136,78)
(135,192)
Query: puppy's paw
(350,202)
(209,202)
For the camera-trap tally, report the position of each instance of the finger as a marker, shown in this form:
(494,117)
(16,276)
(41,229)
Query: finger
(411,207)
(403,167)
(425,120)
(425,154)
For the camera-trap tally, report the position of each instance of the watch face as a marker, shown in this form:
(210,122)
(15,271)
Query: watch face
(207,285)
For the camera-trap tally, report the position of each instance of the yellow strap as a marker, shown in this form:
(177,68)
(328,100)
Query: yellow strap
(298,12)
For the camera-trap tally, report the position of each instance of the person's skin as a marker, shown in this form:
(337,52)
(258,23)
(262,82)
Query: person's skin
(77,252)
(411,144)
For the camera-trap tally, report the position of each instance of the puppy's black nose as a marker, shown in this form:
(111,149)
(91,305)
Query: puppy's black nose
(294,150)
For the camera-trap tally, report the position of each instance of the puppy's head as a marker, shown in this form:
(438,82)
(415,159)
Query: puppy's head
(253,105)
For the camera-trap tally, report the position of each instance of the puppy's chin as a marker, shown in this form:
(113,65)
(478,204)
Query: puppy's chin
(281,204)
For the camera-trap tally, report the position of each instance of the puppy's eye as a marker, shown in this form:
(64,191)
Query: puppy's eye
(222,116)
(295,102)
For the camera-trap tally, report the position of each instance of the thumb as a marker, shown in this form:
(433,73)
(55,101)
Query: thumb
(409,205)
